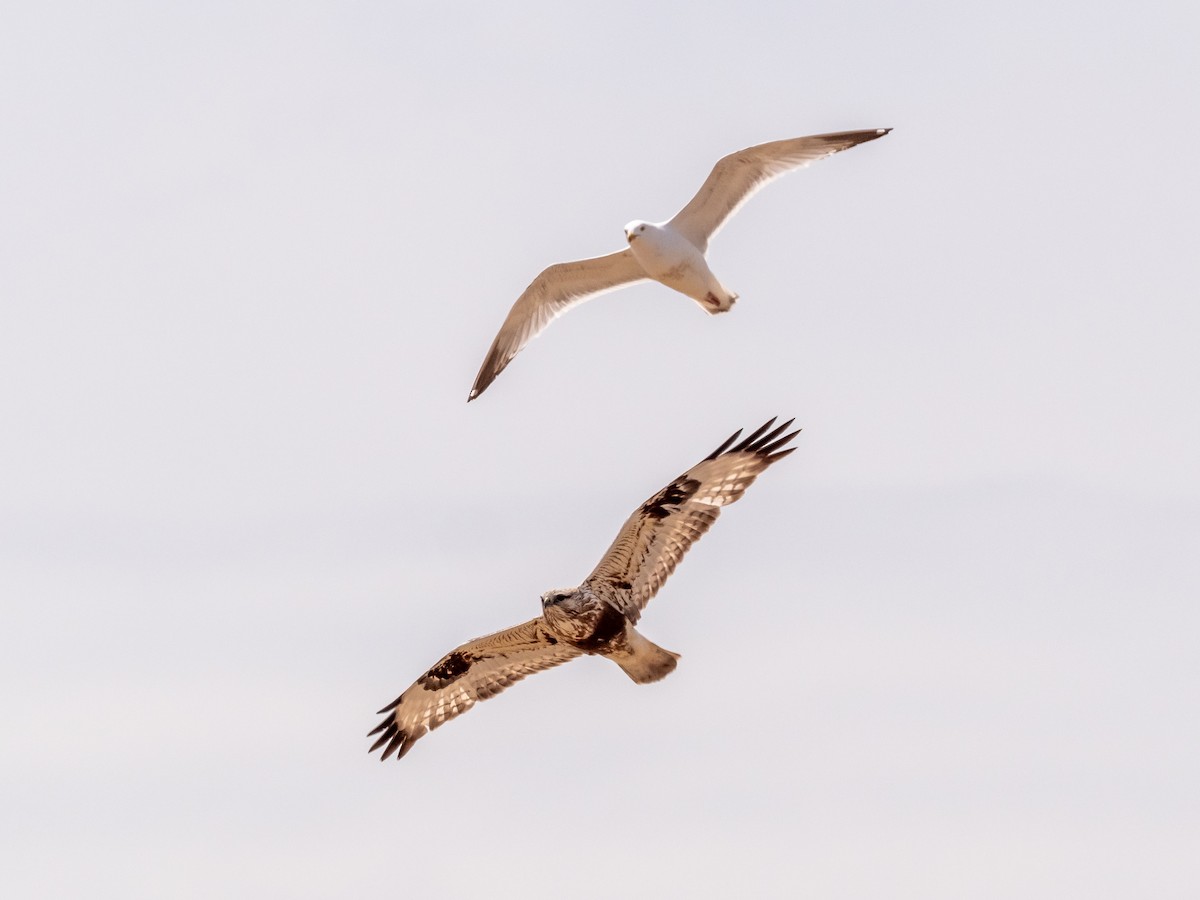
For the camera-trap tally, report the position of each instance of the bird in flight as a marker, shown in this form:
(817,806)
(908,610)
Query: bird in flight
(670,252)
(598,616)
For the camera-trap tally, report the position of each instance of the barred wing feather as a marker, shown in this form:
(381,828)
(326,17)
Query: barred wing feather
(658,534)
(475,671)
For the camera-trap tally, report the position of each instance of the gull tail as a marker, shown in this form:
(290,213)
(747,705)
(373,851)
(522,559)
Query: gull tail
(714,303)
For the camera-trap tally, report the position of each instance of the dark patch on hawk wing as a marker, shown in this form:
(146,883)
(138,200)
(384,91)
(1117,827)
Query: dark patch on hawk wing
(447,671)
(736,177)
(475,671)
(655,538)
(665,501)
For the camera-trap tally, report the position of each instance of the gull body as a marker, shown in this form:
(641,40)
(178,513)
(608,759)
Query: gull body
(671,259)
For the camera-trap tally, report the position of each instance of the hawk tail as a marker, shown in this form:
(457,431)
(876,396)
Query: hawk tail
(643,660)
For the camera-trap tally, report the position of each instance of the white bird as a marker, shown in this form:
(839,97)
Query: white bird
(670,252)
(598,616)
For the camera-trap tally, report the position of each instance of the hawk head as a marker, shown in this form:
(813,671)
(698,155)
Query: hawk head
(556,596)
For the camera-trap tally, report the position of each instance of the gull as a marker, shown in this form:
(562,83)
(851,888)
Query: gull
(671,252)
(598,616)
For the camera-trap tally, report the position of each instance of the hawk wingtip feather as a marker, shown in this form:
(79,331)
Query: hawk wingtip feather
(775,457)
(390,706)
(725,445)
(754,436)
(390,728)
(770,448)
(398,742)
(774,433)
(760,441)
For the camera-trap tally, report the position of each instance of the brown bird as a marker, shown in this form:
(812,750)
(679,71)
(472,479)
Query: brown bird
(598,616)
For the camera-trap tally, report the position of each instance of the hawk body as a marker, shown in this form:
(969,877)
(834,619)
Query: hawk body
(583,619)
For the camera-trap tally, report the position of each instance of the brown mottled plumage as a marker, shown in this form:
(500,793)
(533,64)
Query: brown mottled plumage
(599,615)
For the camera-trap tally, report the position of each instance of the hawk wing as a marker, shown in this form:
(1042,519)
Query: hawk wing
(552,293)
(658,534)
(475,671)
(736,177)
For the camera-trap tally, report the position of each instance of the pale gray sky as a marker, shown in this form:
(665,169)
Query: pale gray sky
(251,256)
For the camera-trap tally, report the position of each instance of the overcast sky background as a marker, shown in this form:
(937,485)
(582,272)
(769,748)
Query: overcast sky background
(251,256)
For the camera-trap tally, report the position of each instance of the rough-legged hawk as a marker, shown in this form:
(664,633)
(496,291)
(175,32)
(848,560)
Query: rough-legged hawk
(598,616)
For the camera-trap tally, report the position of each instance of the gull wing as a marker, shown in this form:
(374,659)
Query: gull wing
(736,177)
(552,293)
